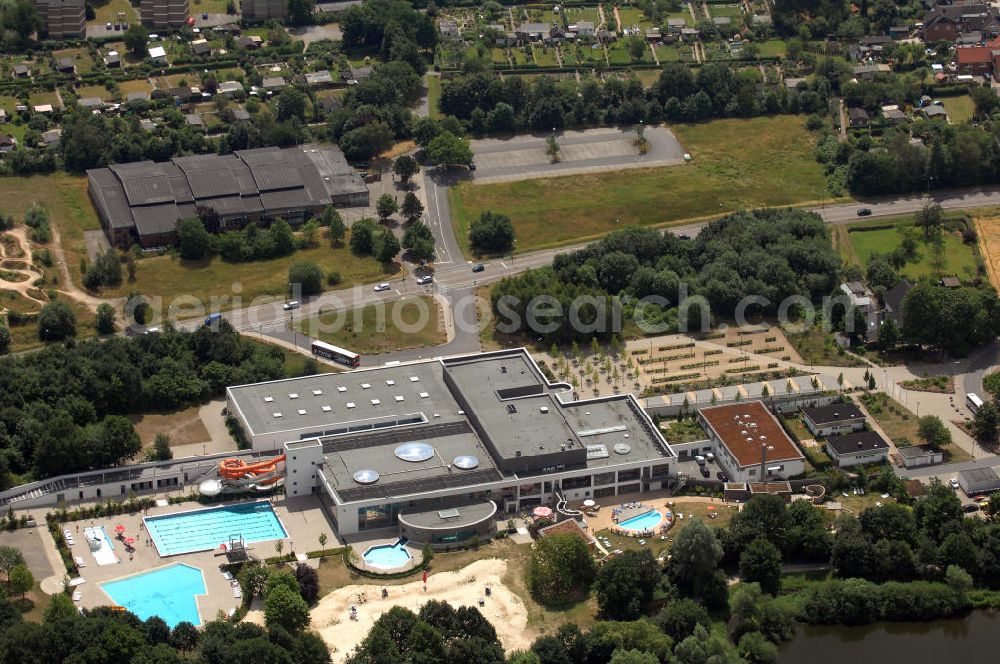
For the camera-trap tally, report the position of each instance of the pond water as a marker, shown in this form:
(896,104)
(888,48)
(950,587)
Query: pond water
(975,638)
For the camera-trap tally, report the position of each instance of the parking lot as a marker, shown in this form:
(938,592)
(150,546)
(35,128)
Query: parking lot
(524,157)
(690,468)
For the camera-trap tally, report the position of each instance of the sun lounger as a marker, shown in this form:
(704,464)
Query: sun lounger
(77,596)
(227,576)
(237,593)
(80,562)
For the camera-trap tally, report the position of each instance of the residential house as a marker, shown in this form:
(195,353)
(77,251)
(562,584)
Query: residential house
(857,117)
(66,66)
(835,419)
(892,302)
(947,22)
(749,443)
(858,448)
(21,71)
(863,301)
(557,35)
(605,36)
(675,25)
(182,94)
(652,34)
(915,456)
(975,60)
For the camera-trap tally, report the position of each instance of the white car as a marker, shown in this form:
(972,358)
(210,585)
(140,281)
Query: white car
(426,279)
(288,306)
(700,460)
(953,483)
(382,287)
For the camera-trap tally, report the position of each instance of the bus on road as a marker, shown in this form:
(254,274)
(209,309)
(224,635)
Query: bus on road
(335,353)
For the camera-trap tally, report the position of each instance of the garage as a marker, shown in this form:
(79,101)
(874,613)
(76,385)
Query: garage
(979,481)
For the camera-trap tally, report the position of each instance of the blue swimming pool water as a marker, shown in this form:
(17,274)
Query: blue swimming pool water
(645,521)
(168,592)
(202,530)
(388,556)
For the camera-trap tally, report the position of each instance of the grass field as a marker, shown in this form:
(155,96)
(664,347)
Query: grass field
(773,48)
(65,198)
(737,164)
(960,258)
(98,91)
(380,328)
(733,11)
(960,109)
(434,95)
(39,97)
(84,63)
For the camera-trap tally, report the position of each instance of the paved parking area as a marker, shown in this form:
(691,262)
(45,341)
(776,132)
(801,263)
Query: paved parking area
(524,157)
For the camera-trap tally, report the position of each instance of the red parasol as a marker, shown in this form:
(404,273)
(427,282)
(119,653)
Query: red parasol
(224,547)
(119,529)
(711,508)
(542,512)
(425,576)
(130,541)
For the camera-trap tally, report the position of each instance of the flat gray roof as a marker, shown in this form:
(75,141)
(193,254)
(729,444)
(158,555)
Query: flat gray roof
(450,515)
(488,406)
(347,398)
(980,475)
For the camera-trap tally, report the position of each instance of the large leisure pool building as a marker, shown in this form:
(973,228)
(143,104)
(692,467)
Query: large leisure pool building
(438,447)
(142,202)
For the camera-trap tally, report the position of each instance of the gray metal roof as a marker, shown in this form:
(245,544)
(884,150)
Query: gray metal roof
(266,180)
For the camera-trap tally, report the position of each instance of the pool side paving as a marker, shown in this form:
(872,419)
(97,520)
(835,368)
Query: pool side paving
(301,518)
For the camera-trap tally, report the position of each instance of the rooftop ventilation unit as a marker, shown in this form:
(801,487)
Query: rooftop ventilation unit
(366,386)
(414,379)
(293,395)
(327,409)
(268,399)
(302,411)
(341,388)
(350,404)
(398,398)
(424,395)
(390,383)
(277,414)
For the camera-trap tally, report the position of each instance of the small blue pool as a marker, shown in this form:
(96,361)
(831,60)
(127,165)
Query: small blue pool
(203,530)
(388,556)
(168,592)
(642,522)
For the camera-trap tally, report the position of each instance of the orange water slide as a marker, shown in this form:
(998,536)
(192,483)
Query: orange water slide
(234,469)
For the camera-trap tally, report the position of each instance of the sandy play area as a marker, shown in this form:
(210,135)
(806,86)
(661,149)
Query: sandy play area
(503,609)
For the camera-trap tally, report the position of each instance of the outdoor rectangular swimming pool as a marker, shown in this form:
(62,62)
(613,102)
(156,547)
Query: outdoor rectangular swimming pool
(203,530)
(642,522)
(168,592)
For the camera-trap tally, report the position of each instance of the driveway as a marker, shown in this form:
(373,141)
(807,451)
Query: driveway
(591,150)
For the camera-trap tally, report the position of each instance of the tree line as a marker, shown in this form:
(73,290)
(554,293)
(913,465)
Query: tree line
(63,409)
(485,103)
(774,253)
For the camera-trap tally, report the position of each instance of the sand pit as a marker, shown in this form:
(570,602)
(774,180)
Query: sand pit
(464,587)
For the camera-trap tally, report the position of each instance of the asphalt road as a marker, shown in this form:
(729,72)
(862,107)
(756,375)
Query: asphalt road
(453,274)
(889,207)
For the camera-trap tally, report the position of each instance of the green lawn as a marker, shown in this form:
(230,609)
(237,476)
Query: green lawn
(733,11)
(773,48)
(380,328)
(107,12)
(545,56)
(39,97)
(667,54)
(84,63)
(630,16)
(959,258)
(960,109)
(737,164)
(99,91)
(434,95)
